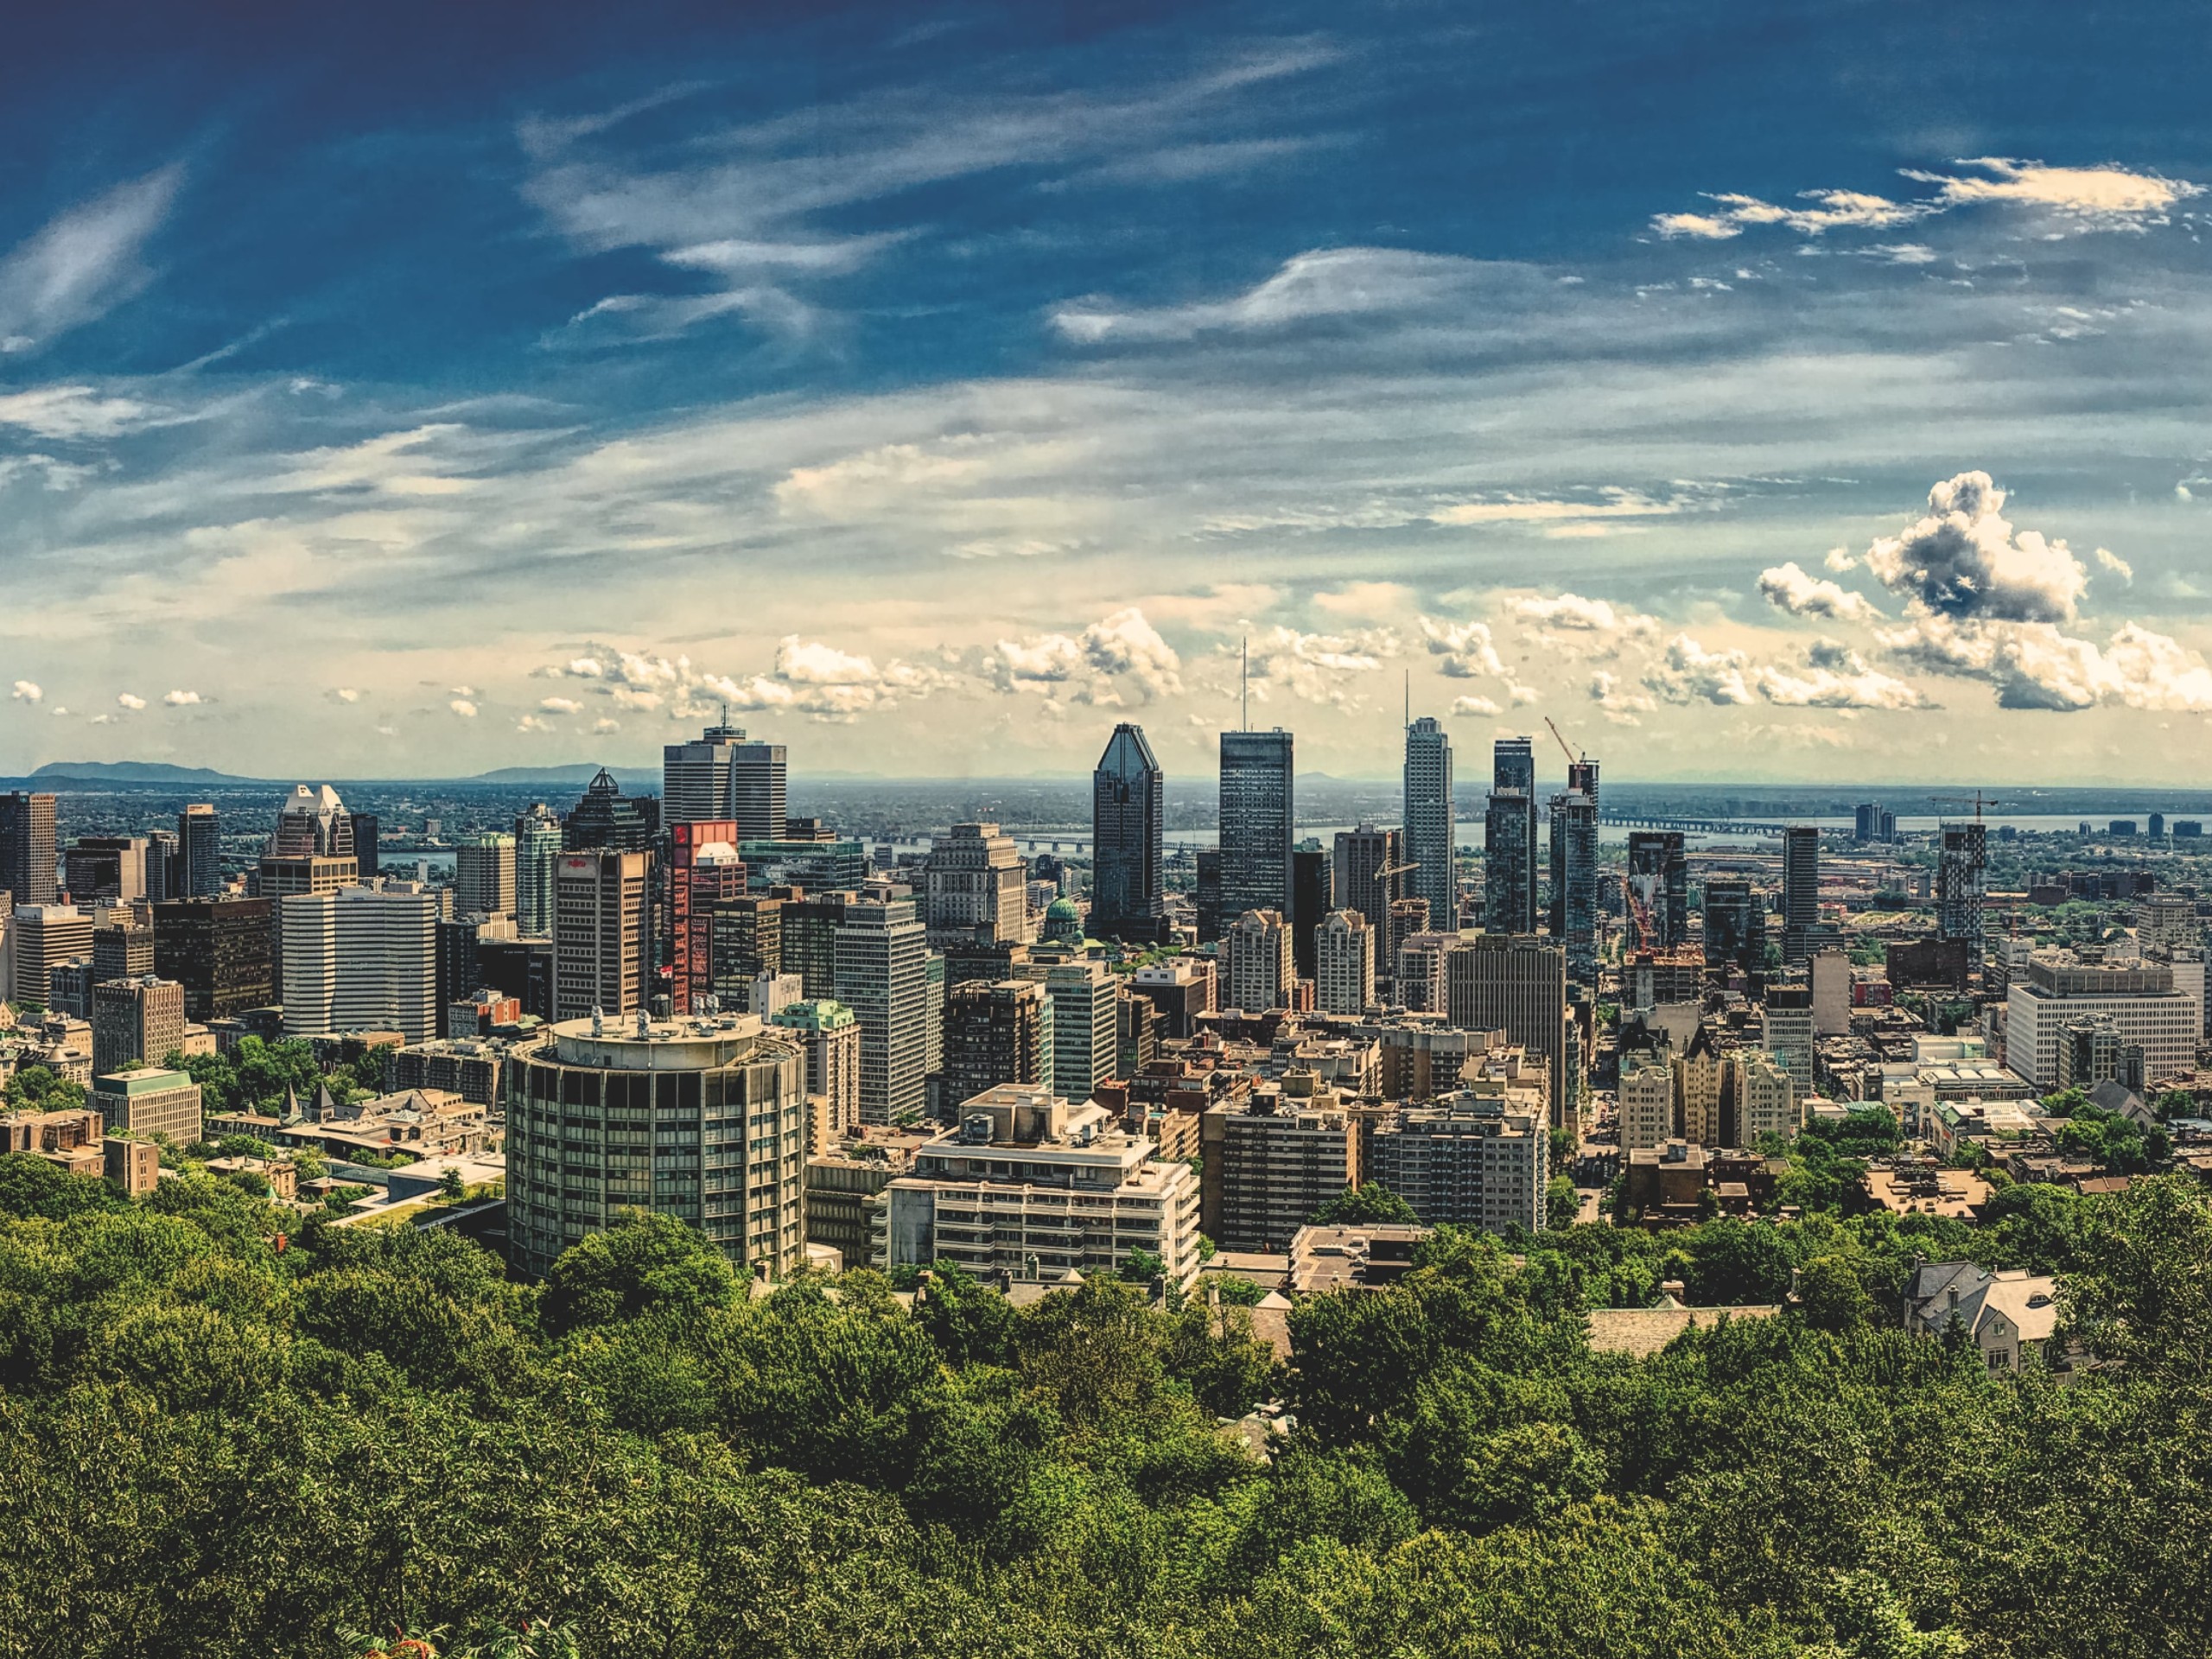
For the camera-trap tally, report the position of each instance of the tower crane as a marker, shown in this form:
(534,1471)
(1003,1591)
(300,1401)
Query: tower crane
(1565,747)
(1977,800)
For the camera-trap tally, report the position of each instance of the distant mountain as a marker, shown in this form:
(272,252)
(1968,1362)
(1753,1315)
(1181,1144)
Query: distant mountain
(111,774)
(575,776)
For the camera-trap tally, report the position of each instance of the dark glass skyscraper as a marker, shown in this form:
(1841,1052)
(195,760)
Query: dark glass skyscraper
(1258,787)
(1735,925)
(366,862)
(199,852)
(606,818)
(1574,882)
(1801,889)
(29,857)
(1128,816)
(1429,825)
(1961,879)
(1509,840)
(1313,889)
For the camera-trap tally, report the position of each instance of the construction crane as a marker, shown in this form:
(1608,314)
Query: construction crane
(1566,748)
(1386,870)
(1977,800)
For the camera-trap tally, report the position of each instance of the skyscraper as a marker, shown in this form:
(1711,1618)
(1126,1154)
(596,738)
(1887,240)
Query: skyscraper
(484,875)
(1509,863)
(1574,883)
(1517,986)
(368,861)
(882,975)
(219,951)
(1735,925)
(1258,789)
(1255,964)
(1129,807)
(975,888)
(1345,950)
(1205,893)
(723,775)
(362,959)
(1658,878)
(1370,873)
(1513,764)
(312,824)
(993,1033)
(606,817)
(141,1018)
(1801,889)
(601,927)
(1429,825)
(1313,896)
(199,852)
(538,851)
(27,851)
(1961,875)
(703,871)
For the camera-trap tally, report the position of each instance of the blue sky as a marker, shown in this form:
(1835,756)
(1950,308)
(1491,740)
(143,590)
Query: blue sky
(1818,395)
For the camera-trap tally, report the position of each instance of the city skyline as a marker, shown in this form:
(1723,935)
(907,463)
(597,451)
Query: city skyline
(935,396)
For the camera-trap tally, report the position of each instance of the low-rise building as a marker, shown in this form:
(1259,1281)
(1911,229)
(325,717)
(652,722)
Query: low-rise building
(467,1066)
(1326,1259)
(149,1102)
(1033,1185)
(2009,1316)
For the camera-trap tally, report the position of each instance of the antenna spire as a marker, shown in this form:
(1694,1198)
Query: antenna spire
(1247,694)
(1409,697)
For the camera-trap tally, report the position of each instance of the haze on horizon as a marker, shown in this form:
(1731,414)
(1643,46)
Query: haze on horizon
(1816,397)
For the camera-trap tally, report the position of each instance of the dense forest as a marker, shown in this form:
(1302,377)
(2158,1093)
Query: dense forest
(218,1446)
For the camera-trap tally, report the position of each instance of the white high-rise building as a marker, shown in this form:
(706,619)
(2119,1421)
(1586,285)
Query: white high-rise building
(975,888)
(882,974)
(484,877)
(538,857)
(1429,828)
(1256,967)
(1081,1001)
(1769,1098)
(362,959)
(1343,963)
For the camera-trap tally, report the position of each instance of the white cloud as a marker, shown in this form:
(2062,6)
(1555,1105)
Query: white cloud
(2108,560)
(1469,649)
(1832,676)
(126,700)
(1321,668)
(72,412)
(1574,613)
(1325,283)
(1963,560)
(604,726)
(183,699)
(561,705)
(347,693)
(28,691)
(1475,706)
(1621,702)
(1789,587)
(1614,504)
(532,723)
(2033,665)
(1828,210)
(1690,673)
(2108,197)
(1840,559)
(463,691)
(84,262)
(463,707)
(1117,660)
(809,677)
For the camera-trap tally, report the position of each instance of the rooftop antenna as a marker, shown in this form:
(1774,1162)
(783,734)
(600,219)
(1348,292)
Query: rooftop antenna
(1409,697)
(1247,716)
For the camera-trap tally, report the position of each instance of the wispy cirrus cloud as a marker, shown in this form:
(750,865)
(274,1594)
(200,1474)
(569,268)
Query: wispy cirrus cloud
(84,262)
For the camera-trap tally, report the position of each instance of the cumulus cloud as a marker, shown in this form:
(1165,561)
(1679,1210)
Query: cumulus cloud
(1119,659)
(1840,559)
(347,693)
(1964,560)
(2108,560)
(561,705)
(1576,615)
(604,726)
(1621,702)
(1475,706)
(533,723)
(1468,650)
(809,677)
(1321,668)
(126,700)
(2034,665)
(463,707)
(1790,588)
(183,699)
(1832,676)
(28,691)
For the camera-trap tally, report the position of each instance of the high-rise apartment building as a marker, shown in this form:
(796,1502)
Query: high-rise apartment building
(1370,873)
(709,1127)
(829,1033)
(1786,1030)
(1962,874)
(123,947)
(1645,1097)
(1255,964)
(1345,958)
(219,951)
(484,875)
(1800,890)
(1128,816)
(704,872)
(199,852)
(1477,1158)
(362,959)
(882,975)
(29,849)
(136,1019)
(1258,812)
(1574,883)
(995,1033)
(975,888)
(1271,1159)
(1509,840)
(1768,1097)
(602,929)
(537,854)
(726,776)
(1430,824)
(605,818)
